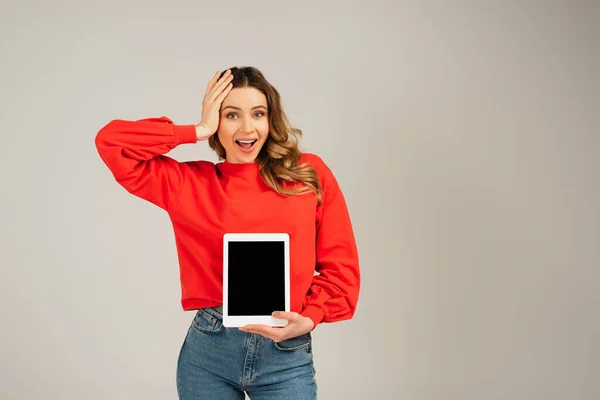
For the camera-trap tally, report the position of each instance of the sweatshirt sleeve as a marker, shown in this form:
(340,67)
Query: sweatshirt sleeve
(134,153)
(333,295)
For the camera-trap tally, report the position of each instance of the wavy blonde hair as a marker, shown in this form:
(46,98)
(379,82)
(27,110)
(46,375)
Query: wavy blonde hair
(279,157)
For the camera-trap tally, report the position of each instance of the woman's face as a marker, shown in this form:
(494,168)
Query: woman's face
(243,125)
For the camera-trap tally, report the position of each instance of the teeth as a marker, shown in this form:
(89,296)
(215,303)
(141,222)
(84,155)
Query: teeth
(247,141)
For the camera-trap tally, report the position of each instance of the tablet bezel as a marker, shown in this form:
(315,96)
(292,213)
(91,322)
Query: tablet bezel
(241,320)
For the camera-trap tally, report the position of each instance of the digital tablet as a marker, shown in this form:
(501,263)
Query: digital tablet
(256,278)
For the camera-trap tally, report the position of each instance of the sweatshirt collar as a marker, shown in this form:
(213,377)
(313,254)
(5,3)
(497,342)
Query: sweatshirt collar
(244,169)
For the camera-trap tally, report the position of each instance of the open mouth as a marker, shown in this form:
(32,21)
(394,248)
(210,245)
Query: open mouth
(246,145)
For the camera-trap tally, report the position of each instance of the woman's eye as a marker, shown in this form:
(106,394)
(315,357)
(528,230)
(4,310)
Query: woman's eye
(230,114)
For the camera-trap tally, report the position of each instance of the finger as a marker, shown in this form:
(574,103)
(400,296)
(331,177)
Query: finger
(263,335)
(275,336)
(219,88)
(224,93)
(212,81)
(264,330)
(290,316)
(259,327)
(211,85)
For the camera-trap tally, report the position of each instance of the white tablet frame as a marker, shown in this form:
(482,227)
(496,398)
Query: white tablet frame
(241,320)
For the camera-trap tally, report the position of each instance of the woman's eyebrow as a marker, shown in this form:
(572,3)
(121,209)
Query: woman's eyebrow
(237,108)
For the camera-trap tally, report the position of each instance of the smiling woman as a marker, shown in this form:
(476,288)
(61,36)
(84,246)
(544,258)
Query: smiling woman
(244,126)
(253,127)
(264,184)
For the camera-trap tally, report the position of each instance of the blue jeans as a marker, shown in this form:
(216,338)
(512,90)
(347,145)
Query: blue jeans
(222,363)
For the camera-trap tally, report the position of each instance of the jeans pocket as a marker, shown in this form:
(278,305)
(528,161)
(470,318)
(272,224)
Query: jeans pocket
(302,342)
(207,321)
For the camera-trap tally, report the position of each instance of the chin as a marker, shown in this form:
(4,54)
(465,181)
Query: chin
(248,156)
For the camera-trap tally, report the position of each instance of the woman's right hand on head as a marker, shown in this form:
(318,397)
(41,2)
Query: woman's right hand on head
(211,105)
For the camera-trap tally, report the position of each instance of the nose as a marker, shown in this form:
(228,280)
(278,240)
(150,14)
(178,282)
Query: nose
(247,125)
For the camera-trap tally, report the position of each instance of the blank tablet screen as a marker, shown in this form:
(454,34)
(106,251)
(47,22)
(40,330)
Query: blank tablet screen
(256,277)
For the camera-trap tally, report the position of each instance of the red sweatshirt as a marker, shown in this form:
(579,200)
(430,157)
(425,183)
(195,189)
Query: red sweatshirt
(206,200)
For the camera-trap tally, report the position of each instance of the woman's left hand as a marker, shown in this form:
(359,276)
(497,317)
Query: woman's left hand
(297,325)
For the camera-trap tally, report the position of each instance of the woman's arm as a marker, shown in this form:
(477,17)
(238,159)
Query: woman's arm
(333,295)
(134,153)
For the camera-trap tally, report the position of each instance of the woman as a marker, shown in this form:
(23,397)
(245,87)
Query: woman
(263,183)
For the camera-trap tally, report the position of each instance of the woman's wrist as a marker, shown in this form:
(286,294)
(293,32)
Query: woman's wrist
(201,132)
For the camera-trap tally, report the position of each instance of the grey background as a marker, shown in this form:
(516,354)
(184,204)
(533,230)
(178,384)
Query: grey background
(464,135)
